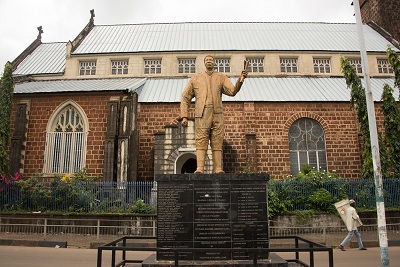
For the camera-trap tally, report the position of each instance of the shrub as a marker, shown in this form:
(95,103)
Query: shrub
(141,207)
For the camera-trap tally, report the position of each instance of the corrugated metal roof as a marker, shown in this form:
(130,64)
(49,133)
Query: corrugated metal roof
(239,36)
(266,89)
(56,86)
(48,58)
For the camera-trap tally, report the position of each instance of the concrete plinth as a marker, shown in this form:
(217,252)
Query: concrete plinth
(273,261)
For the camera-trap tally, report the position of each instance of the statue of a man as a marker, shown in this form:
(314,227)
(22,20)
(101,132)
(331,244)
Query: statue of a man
(207,87)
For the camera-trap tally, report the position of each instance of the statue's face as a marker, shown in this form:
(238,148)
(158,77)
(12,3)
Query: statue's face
(209,62)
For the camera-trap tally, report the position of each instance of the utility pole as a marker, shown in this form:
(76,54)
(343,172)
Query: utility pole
(376,160)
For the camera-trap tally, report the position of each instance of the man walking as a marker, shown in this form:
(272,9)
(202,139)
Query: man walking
(352,221)
(207,87)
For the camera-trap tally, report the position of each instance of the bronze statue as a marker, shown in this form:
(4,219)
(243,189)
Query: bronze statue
(207,87)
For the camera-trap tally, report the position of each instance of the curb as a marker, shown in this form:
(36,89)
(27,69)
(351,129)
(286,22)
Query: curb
(33,243)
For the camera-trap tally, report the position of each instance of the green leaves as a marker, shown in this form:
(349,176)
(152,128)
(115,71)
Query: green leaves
(6,95)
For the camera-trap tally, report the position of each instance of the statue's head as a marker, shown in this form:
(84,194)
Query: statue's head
(209,62)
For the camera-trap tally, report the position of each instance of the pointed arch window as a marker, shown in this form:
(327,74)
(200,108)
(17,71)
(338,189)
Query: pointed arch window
(306,145)
(66,141)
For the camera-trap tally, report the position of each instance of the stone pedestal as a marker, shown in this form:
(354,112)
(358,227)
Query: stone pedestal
(210,212)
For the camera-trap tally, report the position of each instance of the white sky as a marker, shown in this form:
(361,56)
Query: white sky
(62,20)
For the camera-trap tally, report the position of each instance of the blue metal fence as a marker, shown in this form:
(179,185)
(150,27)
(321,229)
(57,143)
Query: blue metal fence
(75,197)
(120,197)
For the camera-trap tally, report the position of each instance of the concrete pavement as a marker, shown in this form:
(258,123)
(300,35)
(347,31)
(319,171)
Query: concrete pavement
(70,257)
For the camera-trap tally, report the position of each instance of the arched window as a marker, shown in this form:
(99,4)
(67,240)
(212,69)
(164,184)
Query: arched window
(306,145)
(66,140)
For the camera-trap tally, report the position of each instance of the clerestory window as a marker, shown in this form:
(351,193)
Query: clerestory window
(222,65)
(255,65)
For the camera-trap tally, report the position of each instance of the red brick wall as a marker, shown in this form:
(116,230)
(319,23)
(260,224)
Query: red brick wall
(270,122)
(41,108)
(384,12)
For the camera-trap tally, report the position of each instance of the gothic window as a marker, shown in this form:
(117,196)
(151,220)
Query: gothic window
(289,64)
(384,66)
(255,65)
(87,68)
(322,65)
(222,65)
(119,67)
(186,65)
(152,66)
(306,145)
(66,141)
(356,63)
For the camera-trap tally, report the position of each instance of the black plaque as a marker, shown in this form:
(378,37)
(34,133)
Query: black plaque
(210,212)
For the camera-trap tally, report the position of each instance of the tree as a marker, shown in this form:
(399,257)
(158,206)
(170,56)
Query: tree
(6,94)
(358,103)
(394,61)
(392,128)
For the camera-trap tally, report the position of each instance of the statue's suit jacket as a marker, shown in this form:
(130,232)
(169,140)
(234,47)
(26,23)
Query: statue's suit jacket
(197,87)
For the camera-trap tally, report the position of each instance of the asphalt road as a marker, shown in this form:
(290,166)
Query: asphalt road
(71,257)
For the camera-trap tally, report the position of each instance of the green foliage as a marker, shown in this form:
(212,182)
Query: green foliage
(358,103)
(140,207)
(321,200)
(34,195)
(392,129)
(6,95)
(83,176)
(394,61)
(276,205)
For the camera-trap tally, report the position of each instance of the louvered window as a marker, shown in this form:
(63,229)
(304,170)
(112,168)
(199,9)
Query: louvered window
(255,65)
(289,65)
(152,66)
(87,68)
(306,145)
(66,142)
(322,65)
(187,65)
(384,66)
(119,67)
(222,65)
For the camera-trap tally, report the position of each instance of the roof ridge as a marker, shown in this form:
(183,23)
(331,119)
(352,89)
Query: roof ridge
(223,22)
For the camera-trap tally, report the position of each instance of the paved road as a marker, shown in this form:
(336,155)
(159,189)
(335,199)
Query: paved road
(70,257)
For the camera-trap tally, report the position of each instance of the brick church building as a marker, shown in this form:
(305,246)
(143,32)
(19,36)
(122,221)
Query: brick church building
(109,101)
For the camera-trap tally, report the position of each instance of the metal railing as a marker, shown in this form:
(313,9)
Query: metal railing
(106,229)
(298,247)
(296,192)
(100,197)
(100,228)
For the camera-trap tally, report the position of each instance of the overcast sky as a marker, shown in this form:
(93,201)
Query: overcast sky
(62,20)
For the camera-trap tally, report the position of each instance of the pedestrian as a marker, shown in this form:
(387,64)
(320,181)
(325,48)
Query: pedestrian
(207,87)
(352,221)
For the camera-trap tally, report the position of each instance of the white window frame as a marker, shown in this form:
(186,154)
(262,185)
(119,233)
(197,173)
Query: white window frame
(356,63)
(255,64)
(307,145)
(322,65)
(87,67)
(186,65)
(66,140)
(222,65)
(152,66)
(384,66)
(119,66)
(289,64)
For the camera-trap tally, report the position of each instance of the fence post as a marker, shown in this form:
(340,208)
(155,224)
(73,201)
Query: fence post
(324,235)
(45,228)
(98,229)
(154,227)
